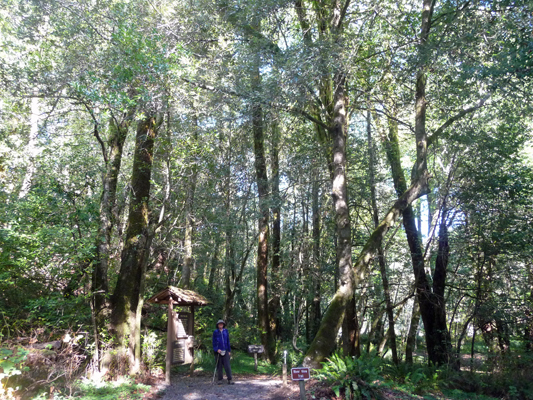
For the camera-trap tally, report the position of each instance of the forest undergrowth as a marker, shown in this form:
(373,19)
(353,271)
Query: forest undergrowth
(38,368)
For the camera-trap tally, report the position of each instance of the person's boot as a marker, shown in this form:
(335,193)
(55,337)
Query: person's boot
(220,382)
(230,382)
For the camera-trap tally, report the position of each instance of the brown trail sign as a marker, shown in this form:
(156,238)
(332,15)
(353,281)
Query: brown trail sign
(301,375)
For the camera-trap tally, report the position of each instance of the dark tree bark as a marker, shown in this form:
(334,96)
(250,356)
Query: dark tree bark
(213,268)
(529,315)
(381,256)
(127,298)
(315,312)
(276,231)
(432,307)
(263,226)
(350,330)
(118,130)
(413,331)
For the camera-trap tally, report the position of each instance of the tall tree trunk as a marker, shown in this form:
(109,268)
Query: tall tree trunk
(350,330)
(188,260)
(213,268)
(332,134)
(315,314)
(441,333)
(529,315)
(263,228)
(437,342)
(276,231)
(118,131)
(127,298)
(336,136)
(381,256)
(413,331)
(436,336)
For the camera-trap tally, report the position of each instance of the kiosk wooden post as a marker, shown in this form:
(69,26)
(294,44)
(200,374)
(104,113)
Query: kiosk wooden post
(191,329)
(170,337)
(180,326)
(284,369)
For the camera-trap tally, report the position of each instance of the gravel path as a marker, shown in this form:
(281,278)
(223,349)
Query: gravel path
(256,388)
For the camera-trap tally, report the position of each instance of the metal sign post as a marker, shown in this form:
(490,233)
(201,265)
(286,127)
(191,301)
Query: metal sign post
(301,375)
(285,367)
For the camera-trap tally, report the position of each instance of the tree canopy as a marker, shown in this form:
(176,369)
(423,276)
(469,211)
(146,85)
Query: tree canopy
(325,172)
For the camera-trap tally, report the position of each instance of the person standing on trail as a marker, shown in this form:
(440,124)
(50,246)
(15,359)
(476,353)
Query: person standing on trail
(222,349)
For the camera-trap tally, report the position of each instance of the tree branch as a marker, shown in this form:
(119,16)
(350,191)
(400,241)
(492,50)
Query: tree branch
(394,119)
(343,14)
(96,133)
(456,117)
(291,110)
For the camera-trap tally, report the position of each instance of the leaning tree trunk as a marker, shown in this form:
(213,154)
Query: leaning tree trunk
(127,298)
(324,342)
(431,303)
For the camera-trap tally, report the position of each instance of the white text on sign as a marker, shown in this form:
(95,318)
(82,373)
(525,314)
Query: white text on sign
(300,374)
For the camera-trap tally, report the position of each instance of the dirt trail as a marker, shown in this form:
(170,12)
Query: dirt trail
(256,388)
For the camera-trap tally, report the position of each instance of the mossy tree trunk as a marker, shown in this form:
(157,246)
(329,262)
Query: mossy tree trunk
(334,140)
(315,312)
(118,130)
(127,298)
(263,224)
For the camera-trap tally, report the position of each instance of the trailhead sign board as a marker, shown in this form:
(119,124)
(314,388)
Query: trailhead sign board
(255,349)
(180,326)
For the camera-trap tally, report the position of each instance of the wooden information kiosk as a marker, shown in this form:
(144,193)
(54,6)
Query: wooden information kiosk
(180,328)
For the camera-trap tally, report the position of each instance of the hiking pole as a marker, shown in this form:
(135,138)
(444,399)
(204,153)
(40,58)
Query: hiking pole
(215,371)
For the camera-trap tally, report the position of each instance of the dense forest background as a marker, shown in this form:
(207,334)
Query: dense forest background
(332,175)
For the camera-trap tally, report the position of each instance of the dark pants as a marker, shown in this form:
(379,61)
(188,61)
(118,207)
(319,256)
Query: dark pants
(223,361)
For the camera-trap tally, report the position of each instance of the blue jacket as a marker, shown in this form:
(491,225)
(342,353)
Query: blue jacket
(221,340)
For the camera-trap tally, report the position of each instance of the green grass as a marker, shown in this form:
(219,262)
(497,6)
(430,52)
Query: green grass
(124,389)
(241,364)
(112,391)
(457,394)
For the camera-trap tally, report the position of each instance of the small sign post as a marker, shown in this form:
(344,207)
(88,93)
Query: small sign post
(301,375)
(285,368)
(255,349)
